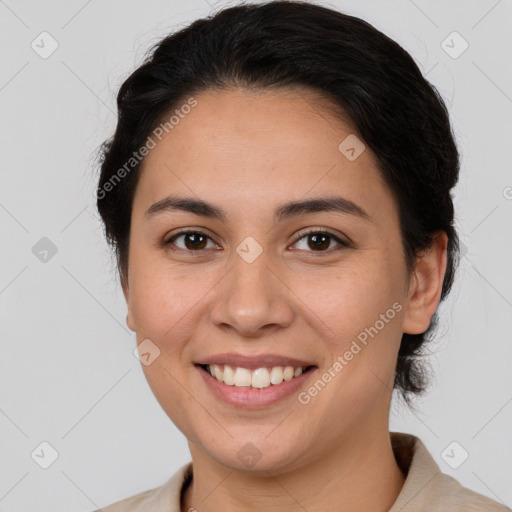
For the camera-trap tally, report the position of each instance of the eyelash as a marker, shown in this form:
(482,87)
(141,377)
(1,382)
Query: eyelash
(168,242)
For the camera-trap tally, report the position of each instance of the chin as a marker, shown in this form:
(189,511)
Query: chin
(256,454)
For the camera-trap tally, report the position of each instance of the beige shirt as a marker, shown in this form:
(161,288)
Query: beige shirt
(426,489)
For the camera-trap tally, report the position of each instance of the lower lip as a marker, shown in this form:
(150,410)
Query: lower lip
(248,397)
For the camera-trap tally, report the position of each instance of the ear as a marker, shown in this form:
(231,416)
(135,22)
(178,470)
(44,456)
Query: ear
(129,317)
(425,286)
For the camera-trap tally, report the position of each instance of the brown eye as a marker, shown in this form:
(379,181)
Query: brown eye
(197,241)
(320,241)
(192,241)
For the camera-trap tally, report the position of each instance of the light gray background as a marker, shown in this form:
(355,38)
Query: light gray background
(67,372)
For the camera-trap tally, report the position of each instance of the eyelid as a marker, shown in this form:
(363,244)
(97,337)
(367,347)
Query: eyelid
(317,230)
(184,231)
(342,241)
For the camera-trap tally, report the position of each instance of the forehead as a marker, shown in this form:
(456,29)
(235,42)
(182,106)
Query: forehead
(261,147)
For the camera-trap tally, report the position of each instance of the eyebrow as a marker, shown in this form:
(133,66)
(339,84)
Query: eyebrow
(291,209)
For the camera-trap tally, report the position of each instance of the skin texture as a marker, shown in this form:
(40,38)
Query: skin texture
(249,152)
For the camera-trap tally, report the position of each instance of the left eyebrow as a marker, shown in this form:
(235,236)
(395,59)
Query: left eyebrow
(321,204)
(291,209)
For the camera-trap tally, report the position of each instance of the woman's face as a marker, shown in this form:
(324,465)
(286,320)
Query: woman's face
(255,284)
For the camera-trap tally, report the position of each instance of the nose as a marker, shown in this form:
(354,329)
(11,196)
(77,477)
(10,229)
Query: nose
(252,299)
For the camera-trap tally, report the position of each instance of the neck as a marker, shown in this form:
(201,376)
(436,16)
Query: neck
(360,475)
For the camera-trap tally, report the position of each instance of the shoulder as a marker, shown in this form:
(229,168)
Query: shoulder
(427,488)
(131,504)
(165,498)
(449,494)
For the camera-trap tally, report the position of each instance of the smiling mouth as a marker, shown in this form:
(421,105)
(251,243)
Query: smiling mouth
(258,378)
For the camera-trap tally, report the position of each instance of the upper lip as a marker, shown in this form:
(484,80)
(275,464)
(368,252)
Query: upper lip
(253,362)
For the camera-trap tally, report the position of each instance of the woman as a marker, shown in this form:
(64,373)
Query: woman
(277,192)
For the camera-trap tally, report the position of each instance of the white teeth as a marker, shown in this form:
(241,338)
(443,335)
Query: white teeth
(288,373)
(258,378)
(276,375)
(218,373)
(242,377)
(229,375)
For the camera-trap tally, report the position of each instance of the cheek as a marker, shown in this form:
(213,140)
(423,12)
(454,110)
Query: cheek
(164,308)
(161,296)
(346,301)
(359,310)
(164,378)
